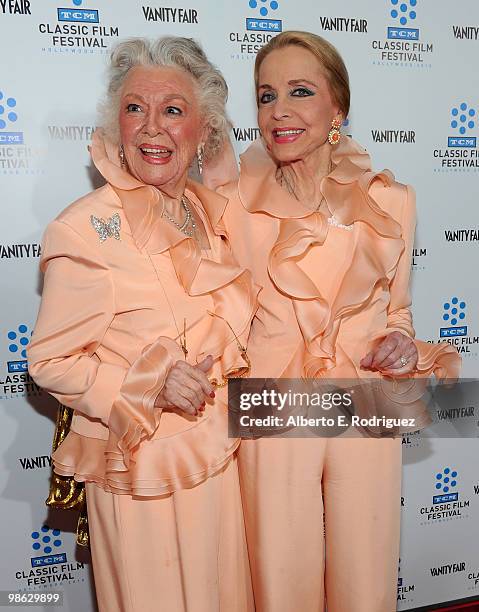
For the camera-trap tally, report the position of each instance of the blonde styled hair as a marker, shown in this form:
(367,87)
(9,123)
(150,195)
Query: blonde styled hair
(327,55)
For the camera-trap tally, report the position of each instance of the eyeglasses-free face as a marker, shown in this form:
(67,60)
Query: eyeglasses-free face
(295,105)
(160,126)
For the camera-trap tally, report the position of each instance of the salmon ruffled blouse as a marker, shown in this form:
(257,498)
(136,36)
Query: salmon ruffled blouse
(109,330)
(332,287)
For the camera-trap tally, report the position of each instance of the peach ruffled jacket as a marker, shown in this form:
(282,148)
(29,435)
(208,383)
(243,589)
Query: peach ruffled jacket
(108,331)
(330,291)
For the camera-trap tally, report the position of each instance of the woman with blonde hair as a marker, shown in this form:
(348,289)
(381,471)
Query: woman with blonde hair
(144,314)
(330,241)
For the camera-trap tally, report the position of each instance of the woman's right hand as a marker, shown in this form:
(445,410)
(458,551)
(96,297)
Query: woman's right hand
(187,387)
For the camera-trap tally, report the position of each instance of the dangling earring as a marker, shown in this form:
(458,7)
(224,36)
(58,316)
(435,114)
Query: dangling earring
(121,154)
(200,152)
(334,135)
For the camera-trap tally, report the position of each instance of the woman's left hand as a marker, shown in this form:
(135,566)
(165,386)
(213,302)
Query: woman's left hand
(390,355)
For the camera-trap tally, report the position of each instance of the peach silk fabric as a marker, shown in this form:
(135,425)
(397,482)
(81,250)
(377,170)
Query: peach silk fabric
(329,295)
(108,331)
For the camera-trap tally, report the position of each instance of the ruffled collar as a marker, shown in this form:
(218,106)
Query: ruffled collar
(143,204)
(259,191)
(372,253)
(233,293)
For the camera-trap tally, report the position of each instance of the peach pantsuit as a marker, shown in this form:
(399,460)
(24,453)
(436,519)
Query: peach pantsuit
(121,284)
(331,289)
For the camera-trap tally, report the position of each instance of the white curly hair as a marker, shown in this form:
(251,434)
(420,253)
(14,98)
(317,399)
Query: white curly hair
(171,51)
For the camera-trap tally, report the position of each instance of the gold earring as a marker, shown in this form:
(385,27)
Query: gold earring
(121,154)
(200,152)
(334,135)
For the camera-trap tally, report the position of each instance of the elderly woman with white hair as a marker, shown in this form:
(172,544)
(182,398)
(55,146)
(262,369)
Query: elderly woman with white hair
(144,315)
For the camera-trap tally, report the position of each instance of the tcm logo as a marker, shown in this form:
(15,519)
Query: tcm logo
(78,14)
(18,341)
(462,120)
(47,541)
(8,116)
(453,313)
(264,23)
(445,482)
(404,14)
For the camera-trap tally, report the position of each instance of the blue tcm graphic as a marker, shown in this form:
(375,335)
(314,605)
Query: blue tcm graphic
(47,541)
(446,481)
(78,15)
(454,312)
(404,14)
(18,341)
(8,115)
(463,119)
(264,23)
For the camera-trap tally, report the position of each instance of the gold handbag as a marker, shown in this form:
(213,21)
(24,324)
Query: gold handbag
(65,492)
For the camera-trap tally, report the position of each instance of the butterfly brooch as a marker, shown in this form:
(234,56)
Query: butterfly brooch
(107,229)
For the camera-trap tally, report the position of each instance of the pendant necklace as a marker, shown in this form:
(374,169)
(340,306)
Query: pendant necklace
(188,227)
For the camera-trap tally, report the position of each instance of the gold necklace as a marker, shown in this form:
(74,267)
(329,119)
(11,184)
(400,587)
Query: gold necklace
(189,219)
(181,336)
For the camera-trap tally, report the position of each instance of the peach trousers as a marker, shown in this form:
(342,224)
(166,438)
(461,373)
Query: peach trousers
(298,560)
(185,552)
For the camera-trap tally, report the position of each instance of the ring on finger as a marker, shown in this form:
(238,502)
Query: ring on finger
(403,361)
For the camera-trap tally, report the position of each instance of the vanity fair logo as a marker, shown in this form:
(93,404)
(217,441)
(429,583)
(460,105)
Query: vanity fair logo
(248,134)
(447,503)
(462,235)
(260,26)
(394,136)
(465,32)
(71,132)
(405,590)
(48,565)
(16,381)
(35,463)
(448,568)
(20,251)
(403,45)
(167,14)
(77,30)
(461,153)
(354,25)
(15,7)
(460,412)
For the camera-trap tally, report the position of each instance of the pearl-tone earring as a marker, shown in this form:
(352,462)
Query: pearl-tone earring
(334,135)
(121,154)
(200,152)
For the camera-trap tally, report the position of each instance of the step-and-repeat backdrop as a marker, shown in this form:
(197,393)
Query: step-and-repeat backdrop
(415,107)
